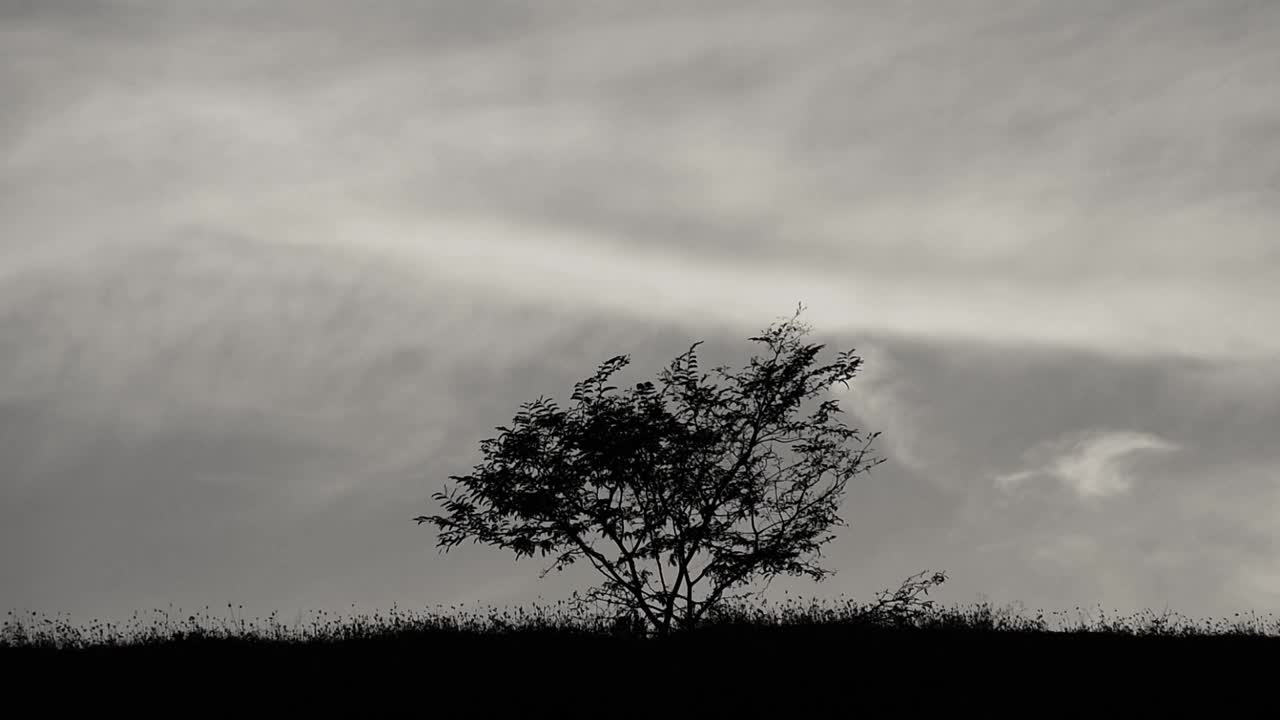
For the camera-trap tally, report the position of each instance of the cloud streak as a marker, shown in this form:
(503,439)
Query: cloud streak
(1093,465)
(1096,178)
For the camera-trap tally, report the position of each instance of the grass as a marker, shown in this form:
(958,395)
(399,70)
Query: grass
(763,658)
(537,622)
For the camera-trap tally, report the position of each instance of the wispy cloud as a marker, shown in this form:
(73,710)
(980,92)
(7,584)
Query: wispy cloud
(883,397)
(893,166)
(1093,465)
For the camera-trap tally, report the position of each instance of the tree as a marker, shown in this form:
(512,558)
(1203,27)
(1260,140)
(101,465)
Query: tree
(675,495)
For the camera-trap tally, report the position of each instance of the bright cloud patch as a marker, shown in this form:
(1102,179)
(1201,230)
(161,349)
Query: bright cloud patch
(1093,465)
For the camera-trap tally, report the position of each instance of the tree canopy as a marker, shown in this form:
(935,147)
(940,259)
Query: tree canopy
(675,492)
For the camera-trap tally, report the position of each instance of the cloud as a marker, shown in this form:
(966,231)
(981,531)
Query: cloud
(1071,550)
(1093,465)
(1257,584)
(712,161)
(885,398)
(447,208)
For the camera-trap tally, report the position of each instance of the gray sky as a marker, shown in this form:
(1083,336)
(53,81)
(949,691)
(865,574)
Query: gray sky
(269,272)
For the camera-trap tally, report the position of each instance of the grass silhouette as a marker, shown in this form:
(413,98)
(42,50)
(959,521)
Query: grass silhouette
(760,658)
(536,623)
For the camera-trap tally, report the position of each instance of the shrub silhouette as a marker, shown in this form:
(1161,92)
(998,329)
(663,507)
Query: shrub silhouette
(675,495)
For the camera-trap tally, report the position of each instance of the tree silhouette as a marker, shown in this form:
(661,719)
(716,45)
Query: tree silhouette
(675,495)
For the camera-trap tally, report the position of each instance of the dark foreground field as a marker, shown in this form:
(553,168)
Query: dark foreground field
(792,661)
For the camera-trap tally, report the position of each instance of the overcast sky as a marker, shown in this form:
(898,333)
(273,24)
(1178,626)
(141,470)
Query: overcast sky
(269,273)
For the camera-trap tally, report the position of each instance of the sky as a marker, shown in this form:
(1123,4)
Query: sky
(270,272)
